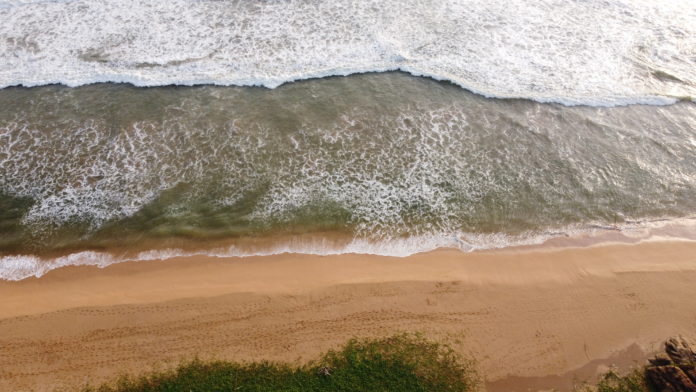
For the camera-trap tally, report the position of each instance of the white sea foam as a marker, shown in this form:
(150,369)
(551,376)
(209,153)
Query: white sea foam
(19,267)
(593,52)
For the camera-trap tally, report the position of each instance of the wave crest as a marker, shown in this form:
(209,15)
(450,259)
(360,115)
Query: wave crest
(602,53)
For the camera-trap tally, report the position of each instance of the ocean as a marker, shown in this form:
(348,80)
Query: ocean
(136,129)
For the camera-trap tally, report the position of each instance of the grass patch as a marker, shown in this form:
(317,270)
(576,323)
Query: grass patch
(613,382)
(402,363)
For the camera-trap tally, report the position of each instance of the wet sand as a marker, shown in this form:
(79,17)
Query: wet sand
(534,319)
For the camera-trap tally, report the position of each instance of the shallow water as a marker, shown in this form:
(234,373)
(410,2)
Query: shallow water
(375,156)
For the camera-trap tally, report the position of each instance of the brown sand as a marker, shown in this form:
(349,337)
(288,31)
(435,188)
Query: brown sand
(534,319)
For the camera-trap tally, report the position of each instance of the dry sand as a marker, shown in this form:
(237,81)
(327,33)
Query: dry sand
(535,319)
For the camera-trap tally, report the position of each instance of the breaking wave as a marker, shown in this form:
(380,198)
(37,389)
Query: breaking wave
(595,52)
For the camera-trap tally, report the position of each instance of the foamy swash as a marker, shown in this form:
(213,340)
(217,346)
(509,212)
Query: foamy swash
(594,52)
(19,267)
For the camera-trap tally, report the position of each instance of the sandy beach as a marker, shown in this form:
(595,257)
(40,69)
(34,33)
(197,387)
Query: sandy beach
(535,319)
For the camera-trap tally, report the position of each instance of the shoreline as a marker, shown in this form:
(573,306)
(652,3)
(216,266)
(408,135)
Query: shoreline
(533,318)
(17,267)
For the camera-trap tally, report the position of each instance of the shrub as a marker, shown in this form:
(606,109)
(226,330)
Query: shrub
(402,363)
(613,382)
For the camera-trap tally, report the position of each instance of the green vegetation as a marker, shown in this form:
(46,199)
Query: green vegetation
(403,363)
(613,382)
